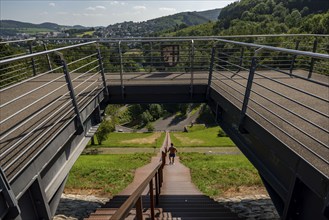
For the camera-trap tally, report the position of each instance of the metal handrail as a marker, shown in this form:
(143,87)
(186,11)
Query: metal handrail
(189,38)
(17,41)
(278,49)
(43,53)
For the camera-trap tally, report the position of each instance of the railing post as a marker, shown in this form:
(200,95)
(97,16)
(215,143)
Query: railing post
(248,90)
(32,59)
(315,45)
(157,188)
(192,67)
(121,71)
(211,69)
(152,199)
(241,60)
(151,49)
(101,67)
(47,56)
(294,57)
(80,127)
(139,209)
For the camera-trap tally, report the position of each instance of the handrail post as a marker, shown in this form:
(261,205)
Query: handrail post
(152,199)
(80,127)
(47,56)
(121,71)
(191,67)
(32,59)
(294,57)
(211,68)
(315,45)
(241,59)
(139,209)
(248,90)
(101,67)
(157,190)
(151,49)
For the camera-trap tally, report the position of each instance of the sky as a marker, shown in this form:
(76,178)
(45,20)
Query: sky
(98,13)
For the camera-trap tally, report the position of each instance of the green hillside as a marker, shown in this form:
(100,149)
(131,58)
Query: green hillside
(266,17)
(157,26)
(11,28)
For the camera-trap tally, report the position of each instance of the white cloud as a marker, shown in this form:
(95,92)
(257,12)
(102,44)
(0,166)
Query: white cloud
(52,4)
(168,9)
(44,13)
(139,7)
(101,7)
(117,3)
(92,15)
(91,9)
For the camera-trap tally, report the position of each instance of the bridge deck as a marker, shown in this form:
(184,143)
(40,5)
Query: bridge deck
(268,87)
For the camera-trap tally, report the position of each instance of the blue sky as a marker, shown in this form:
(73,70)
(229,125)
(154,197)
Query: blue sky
(98,13)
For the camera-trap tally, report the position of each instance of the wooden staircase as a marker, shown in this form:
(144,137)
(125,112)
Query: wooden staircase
(171,207)
(178,198)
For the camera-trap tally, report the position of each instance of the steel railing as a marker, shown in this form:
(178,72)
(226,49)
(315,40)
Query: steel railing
(48,102)
(280,100)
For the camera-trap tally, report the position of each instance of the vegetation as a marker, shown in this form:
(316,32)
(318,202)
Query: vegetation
(215,174)
(247,17)
(104,174)
(132,140)
(200,136)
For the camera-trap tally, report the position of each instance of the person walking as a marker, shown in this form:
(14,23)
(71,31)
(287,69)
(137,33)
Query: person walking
(172,154)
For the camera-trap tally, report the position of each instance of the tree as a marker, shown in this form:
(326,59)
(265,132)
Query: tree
(150,127)
(293,19)
(103,131)
(156,111)
(146,117)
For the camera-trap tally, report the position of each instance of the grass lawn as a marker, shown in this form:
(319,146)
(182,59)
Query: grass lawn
(216,174)
(199,136)
(104,174)
(133,140)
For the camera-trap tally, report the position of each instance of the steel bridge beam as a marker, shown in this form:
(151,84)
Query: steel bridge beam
(297,189)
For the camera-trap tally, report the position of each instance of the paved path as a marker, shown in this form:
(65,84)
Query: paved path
(177,179)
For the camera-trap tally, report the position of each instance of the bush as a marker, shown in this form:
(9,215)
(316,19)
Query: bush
(150,127)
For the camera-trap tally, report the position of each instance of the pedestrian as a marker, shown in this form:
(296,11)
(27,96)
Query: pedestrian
(172,154)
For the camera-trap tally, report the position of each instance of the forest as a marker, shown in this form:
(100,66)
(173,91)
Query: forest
(247,17)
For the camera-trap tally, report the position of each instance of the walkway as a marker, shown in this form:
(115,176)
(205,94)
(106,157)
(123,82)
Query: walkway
(177,179)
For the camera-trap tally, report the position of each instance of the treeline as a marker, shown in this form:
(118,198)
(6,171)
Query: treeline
(274,16)
(247,17)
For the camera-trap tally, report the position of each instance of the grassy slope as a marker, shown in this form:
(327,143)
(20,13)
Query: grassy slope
(133,140)
(104,174)
(214,174)
(200,137)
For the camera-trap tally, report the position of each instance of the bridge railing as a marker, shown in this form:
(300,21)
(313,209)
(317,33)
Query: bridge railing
(35,110)
(294,112)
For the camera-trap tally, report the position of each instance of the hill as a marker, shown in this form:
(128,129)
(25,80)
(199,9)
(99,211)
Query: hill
(11,27)
(266,17)
(155,26)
